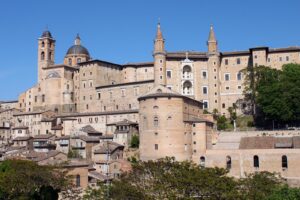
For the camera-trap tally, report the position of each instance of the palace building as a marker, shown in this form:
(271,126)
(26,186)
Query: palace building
(162,100)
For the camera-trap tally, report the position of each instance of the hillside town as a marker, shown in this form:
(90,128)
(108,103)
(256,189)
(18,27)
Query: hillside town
(93,116)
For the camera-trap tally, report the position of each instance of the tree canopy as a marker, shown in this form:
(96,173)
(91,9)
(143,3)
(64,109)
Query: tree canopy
(21,179)
(169,179)
(274,93)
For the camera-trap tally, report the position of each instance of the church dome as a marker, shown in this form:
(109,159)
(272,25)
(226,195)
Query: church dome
(77,48)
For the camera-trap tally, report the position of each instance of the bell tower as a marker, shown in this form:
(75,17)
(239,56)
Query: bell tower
(46,49)
(159,55)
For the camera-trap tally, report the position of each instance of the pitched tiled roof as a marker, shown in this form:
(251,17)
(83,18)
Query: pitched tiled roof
(269,142)
(43,136)
(22,138)
(108,147)
(90,130)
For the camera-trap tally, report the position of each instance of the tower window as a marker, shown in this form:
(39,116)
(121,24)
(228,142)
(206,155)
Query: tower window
(50,56)
(205,104)
(204,90)
(228,162)
(239,76)
(78,60)
(226,61)
(204,74)
(43,55)
(202,161)
(256,161)
(43,44)
(155,121)
(169,74)
(227,77)
(284,162)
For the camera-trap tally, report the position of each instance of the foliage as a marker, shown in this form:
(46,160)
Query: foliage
(275,94)
(21,179)
(259,186)
(221,122)
(135,141)
(74,154)
(99,193)
(169,179)
(285,193)
(232,114)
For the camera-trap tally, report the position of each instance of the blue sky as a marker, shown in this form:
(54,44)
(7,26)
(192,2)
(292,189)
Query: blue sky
(122,31)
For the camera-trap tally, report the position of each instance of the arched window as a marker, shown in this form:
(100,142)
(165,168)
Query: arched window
(256,161)
(50,56)
(155,121)
(284,162)
(43,55)
(77,180)
(228,162)
(43,44)
(202,161)
(187,87)
(187,72)
(70,61)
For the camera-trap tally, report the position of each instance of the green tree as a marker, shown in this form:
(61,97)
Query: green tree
(275,94)
(135,141)
(259,186)
(74,154)
(21,179)
(221,122)
(285,193)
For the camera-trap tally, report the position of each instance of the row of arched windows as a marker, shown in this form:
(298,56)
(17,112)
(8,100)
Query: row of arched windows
(284,161)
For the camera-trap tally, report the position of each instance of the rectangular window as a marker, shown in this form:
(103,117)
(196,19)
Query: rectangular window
(90,83)
(43,98)
(287,58)
(136,91)
(227,87)
(238,61)
(204,74)
(280,58)
(99,95)
(269,59)
(156,146)
(169,74)
(226,61)
(239,76)
(223,105)
(227,77)
(35,99)
(205,104)
(239,87)
(204,90)
(123,92)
